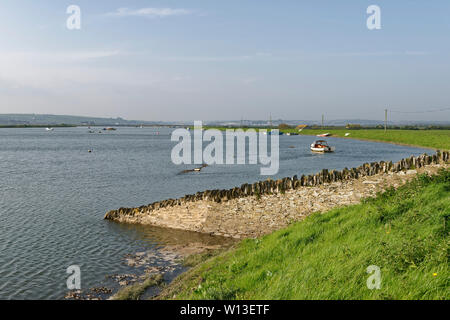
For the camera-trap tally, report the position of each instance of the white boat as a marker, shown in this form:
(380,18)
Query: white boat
(324,135)
(321,146)
(49,129)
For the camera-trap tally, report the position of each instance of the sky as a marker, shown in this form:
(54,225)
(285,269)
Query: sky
(222,60)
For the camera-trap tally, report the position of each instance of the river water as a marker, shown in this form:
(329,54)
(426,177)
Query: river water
(54,194)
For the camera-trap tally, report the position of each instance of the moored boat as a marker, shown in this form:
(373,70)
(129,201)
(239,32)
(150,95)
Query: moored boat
(321,146)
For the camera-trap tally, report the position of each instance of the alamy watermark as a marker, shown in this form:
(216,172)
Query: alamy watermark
(374,20)
(74,20)
(374,280)
(74,280)
(222,146)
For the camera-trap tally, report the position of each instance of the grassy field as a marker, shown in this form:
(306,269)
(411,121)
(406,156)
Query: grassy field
(404,232)
(436,139)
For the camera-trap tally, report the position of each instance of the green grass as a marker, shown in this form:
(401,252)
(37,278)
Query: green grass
(134,292)
(404,232)
(436,139)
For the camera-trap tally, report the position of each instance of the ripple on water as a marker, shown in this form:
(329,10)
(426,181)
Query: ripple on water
(55,194)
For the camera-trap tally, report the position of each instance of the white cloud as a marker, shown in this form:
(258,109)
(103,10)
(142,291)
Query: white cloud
(58,56)
(86,55)
(56,70)
(149,12)
(377,54)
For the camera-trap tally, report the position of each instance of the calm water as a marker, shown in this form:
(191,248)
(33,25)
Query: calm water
(54,195)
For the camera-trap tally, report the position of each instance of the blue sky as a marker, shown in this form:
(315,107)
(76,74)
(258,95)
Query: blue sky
(213,60)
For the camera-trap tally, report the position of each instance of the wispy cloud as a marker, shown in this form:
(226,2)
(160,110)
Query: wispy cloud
(378,53)
(58,56)
(220,58)
(417,53)
(55,70)
(149,12)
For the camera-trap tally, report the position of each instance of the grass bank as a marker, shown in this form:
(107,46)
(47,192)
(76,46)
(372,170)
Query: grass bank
(404,232)
(435,139)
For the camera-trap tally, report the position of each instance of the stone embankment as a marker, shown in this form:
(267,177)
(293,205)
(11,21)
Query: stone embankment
(256,209)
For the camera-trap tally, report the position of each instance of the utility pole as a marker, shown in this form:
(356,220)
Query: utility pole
(385,120)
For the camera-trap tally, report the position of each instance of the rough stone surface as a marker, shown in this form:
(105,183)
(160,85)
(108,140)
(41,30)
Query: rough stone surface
(256,209)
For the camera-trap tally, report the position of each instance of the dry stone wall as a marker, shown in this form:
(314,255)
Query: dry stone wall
(259,208)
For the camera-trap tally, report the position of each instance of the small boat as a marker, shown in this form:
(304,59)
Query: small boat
(324,135)
(109,129)
(321,146)
(292,134)
(271,132)
(49,129)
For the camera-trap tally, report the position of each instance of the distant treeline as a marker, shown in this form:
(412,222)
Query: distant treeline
(286,127)
(62,125)
(404,127)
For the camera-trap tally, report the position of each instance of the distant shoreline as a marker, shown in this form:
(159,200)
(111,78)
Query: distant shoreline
(19,126)
(433,139)
(381,141)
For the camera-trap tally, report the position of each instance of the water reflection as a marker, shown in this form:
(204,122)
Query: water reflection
(158,236)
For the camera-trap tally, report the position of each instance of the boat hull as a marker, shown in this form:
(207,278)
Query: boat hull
(322,150)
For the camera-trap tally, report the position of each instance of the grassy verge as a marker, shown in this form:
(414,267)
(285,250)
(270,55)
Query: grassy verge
(436,139)
(404,232)
(135,291)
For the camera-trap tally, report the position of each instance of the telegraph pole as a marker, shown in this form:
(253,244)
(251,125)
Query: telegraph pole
(385,120)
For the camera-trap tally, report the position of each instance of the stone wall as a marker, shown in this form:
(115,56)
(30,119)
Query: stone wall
(259,208)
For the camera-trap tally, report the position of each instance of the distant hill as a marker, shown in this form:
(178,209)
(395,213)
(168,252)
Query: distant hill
(53,120)
(329,122)
(48,119)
